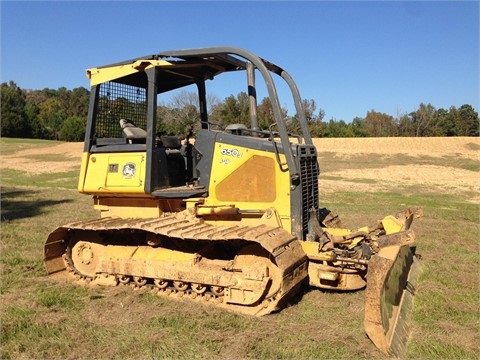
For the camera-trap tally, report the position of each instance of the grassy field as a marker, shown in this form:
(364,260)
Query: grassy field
(50,318)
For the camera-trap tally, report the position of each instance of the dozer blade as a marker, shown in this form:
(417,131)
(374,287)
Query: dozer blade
(391,280)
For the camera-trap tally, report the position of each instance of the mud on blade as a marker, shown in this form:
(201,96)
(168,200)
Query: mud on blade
(391,282)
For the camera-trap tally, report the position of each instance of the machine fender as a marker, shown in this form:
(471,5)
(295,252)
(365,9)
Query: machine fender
(54,249)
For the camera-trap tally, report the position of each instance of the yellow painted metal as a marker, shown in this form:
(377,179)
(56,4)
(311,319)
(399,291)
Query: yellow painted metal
(343,231)
(129,207)
(391,224)
(104,173)
(101,75)
(337,231)
(312,250)
(248,186)
(252,181)
(83,171)
(147,254)
(217,210)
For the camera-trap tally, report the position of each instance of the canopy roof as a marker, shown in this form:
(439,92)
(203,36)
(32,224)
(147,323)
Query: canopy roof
(177,68)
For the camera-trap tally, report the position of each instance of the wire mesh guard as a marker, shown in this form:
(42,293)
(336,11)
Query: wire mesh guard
(119,101)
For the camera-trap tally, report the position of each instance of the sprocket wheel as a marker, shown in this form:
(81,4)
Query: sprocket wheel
(85,256)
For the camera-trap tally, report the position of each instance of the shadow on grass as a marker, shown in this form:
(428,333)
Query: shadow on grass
(14,206)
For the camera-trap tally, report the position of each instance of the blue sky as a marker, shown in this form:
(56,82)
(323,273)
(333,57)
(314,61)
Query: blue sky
(350,57)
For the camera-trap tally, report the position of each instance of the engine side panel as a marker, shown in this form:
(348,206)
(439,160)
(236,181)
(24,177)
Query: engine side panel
(111,173)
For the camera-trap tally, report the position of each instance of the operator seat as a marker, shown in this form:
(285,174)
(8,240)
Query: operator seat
(132,133)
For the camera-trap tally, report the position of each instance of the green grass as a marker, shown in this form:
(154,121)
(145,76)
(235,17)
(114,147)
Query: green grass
(9,146)
(43,317)
(65,298)
(67,180)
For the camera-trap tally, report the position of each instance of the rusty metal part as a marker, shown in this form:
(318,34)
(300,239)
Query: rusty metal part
(335,277)
(268,267)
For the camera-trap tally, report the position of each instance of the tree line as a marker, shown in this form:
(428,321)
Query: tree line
(61,115)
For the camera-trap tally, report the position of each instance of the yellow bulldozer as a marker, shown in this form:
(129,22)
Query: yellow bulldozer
(229,215)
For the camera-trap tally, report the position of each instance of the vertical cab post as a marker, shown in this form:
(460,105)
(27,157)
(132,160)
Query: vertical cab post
(202,102)
(252,96)
(150,178)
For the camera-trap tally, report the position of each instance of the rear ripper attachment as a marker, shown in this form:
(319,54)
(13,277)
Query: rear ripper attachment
(244,269)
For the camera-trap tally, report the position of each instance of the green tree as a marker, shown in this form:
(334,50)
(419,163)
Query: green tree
(358,128)
(14,119)
(52,115)
(265,114)
(78,102)
(73,129)
(406,127)
(443,124)
(466,120)
(314,120)
(180,116)
(380,124)
(422,119)
(233,110)
(32,112)
(338,129)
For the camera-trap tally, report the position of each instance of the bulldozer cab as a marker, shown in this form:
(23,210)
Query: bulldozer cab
(123,107)
(126,156)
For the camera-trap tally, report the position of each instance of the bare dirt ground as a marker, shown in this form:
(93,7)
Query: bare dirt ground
(429,173)
(22,160)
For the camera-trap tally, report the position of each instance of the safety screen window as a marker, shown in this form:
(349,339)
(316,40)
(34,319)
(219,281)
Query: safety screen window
(116,102)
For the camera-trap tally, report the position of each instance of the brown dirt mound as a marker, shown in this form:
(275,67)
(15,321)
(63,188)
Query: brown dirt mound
(432,175)
(24,160)
(464,147)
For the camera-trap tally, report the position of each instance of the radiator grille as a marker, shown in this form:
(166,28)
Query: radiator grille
(309,181)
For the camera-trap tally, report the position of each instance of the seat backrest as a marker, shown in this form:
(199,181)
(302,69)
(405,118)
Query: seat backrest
(130,131)
(171,142)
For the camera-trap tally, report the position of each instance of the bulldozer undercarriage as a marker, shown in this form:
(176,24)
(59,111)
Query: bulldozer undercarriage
(251,270)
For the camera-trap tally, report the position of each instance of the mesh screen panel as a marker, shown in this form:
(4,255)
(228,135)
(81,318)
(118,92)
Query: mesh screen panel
(119,101)
(309,175)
